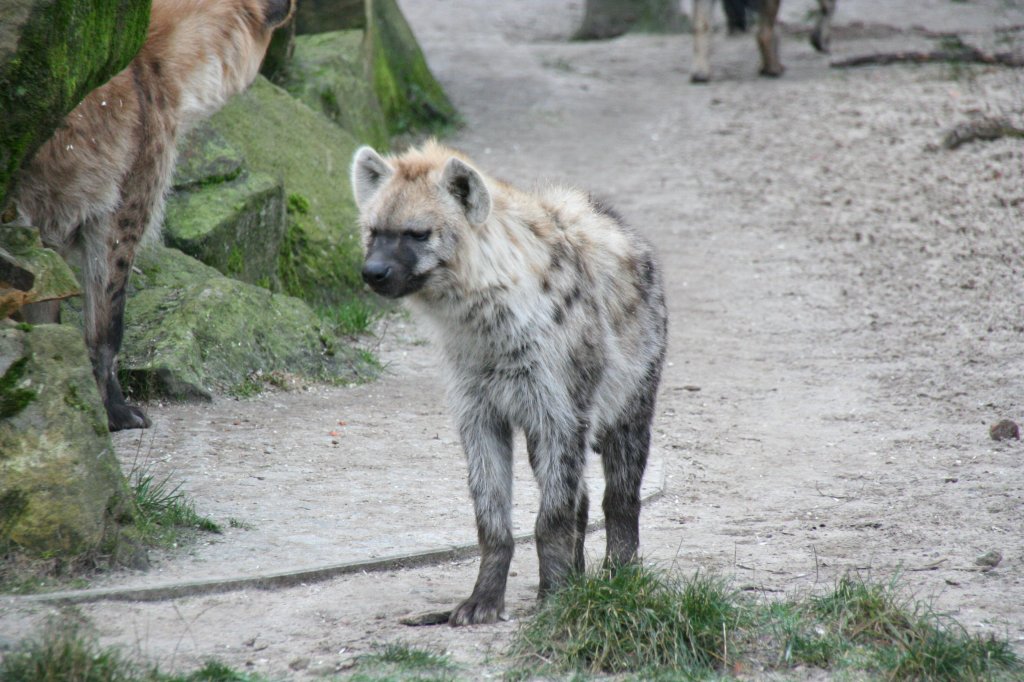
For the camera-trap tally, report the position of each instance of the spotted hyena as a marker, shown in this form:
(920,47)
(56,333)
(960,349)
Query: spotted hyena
(551,318)
(97,186)
(767,37)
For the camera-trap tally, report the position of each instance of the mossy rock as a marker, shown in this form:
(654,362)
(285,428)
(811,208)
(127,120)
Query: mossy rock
(30,273)
(60,483)
(192,332)
(321,258)
(317,16)
(328,71)
(205,158)
(237,226)
(53,53)
(409,95)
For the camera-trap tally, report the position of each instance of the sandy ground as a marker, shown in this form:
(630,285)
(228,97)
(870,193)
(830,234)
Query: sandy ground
(846,295)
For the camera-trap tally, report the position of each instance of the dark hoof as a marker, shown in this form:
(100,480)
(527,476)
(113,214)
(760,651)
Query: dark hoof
(472,612)
(772,73)
(700,78)
(818,45)
(124,416)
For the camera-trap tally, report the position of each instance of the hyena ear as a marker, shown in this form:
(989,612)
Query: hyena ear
(277,12)
(468,188)
(369,172)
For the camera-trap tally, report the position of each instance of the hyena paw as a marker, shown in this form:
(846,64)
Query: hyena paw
(124,416)
(477,612)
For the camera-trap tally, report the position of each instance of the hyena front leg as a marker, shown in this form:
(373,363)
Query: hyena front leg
(487,440)
(821,36)
(581,511)
(768,39)
(701,71)
(558,460)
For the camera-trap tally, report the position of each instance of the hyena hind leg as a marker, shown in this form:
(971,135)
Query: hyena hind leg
(623,449)
(105,298)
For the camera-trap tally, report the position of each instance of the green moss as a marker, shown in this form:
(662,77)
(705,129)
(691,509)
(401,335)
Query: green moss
(320,257)
(298,204)
(13,505)
(65,48)
(328,72)
(409,95)
(236,227)
(12,398)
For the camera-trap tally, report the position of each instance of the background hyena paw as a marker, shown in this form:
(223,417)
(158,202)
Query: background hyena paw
(120,417)
(477,612)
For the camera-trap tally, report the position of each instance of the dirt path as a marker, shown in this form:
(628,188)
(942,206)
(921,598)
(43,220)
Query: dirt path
(847,298)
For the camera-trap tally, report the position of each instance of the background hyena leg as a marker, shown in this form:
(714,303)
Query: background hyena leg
(558,461)
(487,441)
(701,71)
(821,36)
(623,449)
(45,312)
(768,39)
(106,283)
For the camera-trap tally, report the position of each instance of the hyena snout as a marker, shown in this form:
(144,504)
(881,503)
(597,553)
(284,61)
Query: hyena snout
(390,267)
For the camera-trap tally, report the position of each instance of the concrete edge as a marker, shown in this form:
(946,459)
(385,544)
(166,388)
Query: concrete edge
(283,579)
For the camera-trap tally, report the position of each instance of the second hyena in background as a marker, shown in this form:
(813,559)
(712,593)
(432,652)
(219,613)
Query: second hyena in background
(98,185)
(551,318)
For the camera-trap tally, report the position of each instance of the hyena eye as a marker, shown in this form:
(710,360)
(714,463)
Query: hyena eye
(418,236)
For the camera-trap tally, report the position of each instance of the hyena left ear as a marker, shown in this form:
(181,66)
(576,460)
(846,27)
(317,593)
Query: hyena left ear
(277,12)
(468,188)
(369,172)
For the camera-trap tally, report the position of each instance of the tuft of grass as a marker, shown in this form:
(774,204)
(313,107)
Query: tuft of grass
(634,618)
(869,626)
(66,650)
(351,317)
(400,662)
(164,511)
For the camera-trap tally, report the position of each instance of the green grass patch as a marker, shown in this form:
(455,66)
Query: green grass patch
(645,622)
(66,650)
(163,512)
(399,662)
(350,318)
(633,619)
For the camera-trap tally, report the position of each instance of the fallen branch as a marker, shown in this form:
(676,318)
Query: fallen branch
(964,55)
(980,129)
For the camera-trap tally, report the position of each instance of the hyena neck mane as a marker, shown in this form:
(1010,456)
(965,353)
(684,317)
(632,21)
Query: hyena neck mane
(201,52)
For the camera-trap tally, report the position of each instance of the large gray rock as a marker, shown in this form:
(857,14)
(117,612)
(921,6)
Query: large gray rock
(61,487)
(236,226)
(192,332)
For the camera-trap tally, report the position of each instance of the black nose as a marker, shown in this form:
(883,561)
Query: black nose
(376,273)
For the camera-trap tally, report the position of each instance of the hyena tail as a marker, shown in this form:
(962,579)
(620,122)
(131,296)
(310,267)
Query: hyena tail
(736,13)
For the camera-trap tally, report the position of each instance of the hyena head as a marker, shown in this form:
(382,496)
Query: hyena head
(413,210)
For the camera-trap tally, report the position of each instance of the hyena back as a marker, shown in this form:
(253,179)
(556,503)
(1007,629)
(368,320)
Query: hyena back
(551,318)
(97,186)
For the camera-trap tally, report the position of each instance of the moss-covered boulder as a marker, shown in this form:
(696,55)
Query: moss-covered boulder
(236,226)
(60,484)
(192,332)
(52,53)
(321,256)
(30,273)
(409,95)
(328,71)
(317,16)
